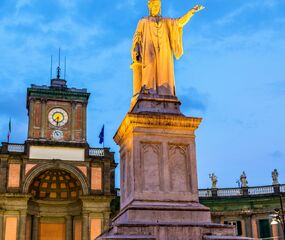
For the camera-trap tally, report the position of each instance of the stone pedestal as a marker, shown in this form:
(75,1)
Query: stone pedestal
(159,189)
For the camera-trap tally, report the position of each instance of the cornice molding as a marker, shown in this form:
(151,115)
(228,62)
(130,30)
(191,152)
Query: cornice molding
(132,121)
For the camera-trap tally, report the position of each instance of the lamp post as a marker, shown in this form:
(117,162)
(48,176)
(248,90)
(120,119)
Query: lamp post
(279,217)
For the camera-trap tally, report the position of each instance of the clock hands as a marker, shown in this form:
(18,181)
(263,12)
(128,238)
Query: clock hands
(57,120)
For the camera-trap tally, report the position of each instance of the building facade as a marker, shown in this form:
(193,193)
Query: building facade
(250,209)
(54,186)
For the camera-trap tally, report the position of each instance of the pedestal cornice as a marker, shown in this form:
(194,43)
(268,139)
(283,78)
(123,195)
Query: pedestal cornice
(155,121)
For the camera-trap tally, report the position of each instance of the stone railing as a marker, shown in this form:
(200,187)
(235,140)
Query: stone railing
(246,191)
(205,193)
(226,192)
(97,152)
(261,190)
(282,188)
(18,148)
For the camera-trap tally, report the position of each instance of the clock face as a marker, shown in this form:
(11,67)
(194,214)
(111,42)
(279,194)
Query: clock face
(58,117)
(57,135)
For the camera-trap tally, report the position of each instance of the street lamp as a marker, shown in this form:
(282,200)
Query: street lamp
(279,217)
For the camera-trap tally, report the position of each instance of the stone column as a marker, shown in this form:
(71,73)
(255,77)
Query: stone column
(72,119)
(222,220)
(31,118)
(84,123)
(106,221)
(22,225)
(43,118)
(35,227)
(1,225)
(275,233)
(248,226)
(243,227)
(68,228)
(254,227)
(85,226)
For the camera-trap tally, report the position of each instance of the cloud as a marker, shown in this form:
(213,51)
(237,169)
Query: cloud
(278,87)
(192,99)
(255,41)
(277,155)
(21,4)
(247,8)
(68,4)
(232,16)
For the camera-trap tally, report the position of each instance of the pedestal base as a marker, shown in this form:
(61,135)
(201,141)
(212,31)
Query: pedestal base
(170,231)
(161,212)
(167,221)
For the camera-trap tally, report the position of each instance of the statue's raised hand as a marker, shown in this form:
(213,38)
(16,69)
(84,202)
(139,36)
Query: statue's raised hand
(197,8)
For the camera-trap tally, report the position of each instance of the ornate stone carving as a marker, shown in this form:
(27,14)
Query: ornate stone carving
(150,165)
(179,169)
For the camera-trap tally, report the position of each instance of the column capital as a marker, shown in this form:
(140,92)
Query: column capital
(23,212)
(43,100)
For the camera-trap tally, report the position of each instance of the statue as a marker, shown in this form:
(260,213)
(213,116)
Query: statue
(214,180)
(275,175)
(155,42)
(243,180)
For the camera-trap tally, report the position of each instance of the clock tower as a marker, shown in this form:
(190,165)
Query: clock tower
(57,113)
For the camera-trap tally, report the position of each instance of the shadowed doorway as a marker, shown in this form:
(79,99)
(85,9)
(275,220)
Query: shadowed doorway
(55,208)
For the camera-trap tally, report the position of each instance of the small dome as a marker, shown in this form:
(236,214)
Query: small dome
(56,184)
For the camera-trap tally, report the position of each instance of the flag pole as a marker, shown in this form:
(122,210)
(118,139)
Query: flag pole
(104,136)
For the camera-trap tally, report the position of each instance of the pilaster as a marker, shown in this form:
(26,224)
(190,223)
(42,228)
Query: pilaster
(85,226)
(43,118)
(68,228)
(84,121)
(254,227)
(248,224)
(35,227)
(3,174)
(243,227)
(72,119)
(275,233)
(22,224)
(1,225)
(31,118)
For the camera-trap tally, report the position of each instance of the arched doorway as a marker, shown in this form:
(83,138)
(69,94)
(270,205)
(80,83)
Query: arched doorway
(55,207)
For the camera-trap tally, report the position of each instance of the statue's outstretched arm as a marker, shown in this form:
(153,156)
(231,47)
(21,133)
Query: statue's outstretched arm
(185,19)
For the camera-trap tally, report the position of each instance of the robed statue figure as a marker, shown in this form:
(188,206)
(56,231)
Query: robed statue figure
(155,42)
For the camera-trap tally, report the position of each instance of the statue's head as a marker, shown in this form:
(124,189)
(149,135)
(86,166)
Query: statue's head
(154,7)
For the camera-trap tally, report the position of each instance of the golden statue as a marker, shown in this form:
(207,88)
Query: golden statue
(155,42)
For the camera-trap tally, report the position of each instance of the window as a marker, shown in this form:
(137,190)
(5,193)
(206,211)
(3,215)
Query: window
(237,224)
(264,228)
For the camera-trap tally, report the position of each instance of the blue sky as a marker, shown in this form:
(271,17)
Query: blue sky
(231,74)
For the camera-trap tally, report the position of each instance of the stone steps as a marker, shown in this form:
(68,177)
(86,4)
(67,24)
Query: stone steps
(134,237)
(170,231)
(225,238)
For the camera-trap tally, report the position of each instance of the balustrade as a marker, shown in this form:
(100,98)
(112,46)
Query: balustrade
(97,152)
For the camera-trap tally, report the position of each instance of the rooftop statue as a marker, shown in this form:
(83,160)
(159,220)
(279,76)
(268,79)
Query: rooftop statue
(243,180)
(155,42)
(214,180)
(275,175)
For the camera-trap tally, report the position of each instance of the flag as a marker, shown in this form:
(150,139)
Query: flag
(101,136)
(9,130)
